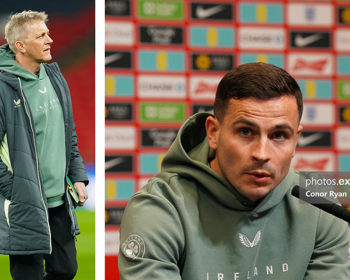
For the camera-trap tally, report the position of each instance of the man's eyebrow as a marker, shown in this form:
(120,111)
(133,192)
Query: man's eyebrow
(282,126)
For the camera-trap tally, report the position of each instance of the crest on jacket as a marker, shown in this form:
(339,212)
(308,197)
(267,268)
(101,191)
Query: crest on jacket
(17,103)
(246,242)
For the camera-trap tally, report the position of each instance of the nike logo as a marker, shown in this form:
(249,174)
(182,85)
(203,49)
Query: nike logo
(304,141)
(205,13)
(43,91)
(302,42)
(113,57)
(113,162)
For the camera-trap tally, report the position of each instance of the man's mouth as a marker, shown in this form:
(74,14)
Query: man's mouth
(259,176)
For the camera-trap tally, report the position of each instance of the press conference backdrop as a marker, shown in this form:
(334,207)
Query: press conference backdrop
(164,60)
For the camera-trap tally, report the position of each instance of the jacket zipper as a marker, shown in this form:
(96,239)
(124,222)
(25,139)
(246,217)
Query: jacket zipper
(70,209)
(37,163)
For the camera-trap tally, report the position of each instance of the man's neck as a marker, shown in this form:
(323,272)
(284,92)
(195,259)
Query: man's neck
(31,66)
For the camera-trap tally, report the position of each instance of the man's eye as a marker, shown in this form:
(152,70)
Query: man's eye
(280,135)
(244,131)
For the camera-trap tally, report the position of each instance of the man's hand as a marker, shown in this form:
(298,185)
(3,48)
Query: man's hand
(82,192)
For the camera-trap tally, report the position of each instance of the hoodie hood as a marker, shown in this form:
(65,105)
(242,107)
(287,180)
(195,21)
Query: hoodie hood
(189,157)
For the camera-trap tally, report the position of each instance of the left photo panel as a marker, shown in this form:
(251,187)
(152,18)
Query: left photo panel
(47,134)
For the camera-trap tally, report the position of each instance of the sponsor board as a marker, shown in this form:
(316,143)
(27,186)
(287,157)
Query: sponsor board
(344,114)
(158,9)
(118,60)
(316,89)
(119,163)
(343,87)
(343,64)
(218,37)
(343,138)
(342,40)
(162,112)
(120,137)
(112,242)
(319,161)
(261,13)
(119,111)
(198,108)
(318,114)
(315,139)
(161,35)
(343,14)
(116,85)
(119,8)
(203,87)
(212,11)
(261,38)
(119,189)
(310,64)
(150,163)
(119,33)
(150,86)
(162,61)
(275,59)
(157,137)
(310,14)
(113,216)
(212,62)
(344,162)
(310,39)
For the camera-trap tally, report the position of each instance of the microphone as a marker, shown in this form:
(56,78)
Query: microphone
(324,204)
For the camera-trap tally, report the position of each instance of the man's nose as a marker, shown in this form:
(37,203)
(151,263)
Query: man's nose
(261,149)
(49,40)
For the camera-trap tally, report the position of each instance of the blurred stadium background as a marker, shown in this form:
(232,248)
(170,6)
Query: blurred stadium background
(72,28)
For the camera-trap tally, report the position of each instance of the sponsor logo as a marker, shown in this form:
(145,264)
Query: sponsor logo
(211,37)
(344,162)
(343,138)
(212,62)
(318,114)
(261,38)
(245,241)
(113,216)
(17,103)
(316,89)
(119,137)
(343,64)
(133,247)
(119,163)
(119,85)
(161,35)
(344,15)
(275,59)
(160,138)
(119,8)
(162,112)
(151,163)
(342,40)
(315,139)
(212,11)
(158,9)
(261,13)
(118,60)
(318,40)
(313,161)
(197,108)
(310,64)
(112,242)
(305,14)
(162,61)
(343,89)
(118,33)
(119,111)
(119,189)
(161,86)
(43,91)
(344,114)
(203,87)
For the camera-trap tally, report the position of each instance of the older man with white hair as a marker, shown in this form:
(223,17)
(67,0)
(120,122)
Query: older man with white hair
(39,156)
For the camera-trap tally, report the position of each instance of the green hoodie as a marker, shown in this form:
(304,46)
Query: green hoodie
(48,122)
(188,223)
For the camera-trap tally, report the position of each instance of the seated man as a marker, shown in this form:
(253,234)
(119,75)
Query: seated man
(222,208)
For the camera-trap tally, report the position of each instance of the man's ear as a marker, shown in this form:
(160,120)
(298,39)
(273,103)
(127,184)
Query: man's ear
(212,125)
(300,128)
(20,47)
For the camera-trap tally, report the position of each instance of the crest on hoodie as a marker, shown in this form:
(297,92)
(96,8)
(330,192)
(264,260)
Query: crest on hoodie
(246,242)
(133,247)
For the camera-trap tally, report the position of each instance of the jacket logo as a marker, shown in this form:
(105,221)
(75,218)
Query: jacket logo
(245,241)
(133,247)
(17,103)
(43,91)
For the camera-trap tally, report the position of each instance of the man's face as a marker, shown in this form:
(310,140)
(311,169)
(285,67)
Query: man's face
(255,143)
(38,42)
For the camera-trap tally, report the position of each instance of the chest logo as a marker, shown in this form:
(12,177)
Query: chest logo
(43,91)
(17,103)
(133,247)
(246,242)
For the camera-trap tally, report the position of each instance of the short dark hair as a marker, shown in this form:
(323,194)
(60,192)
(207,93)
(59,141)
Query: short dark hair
(255,80)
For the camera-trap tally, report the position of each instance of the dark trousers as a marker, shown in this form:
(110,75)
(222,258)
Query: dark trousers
(61,264)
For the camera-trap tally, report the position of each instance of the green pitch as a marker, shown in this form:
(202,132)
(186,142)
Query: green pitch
(85,247)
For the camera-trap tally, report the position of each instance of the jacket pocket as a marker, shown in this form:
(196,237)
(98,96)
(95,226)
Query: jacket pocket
(6,211)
